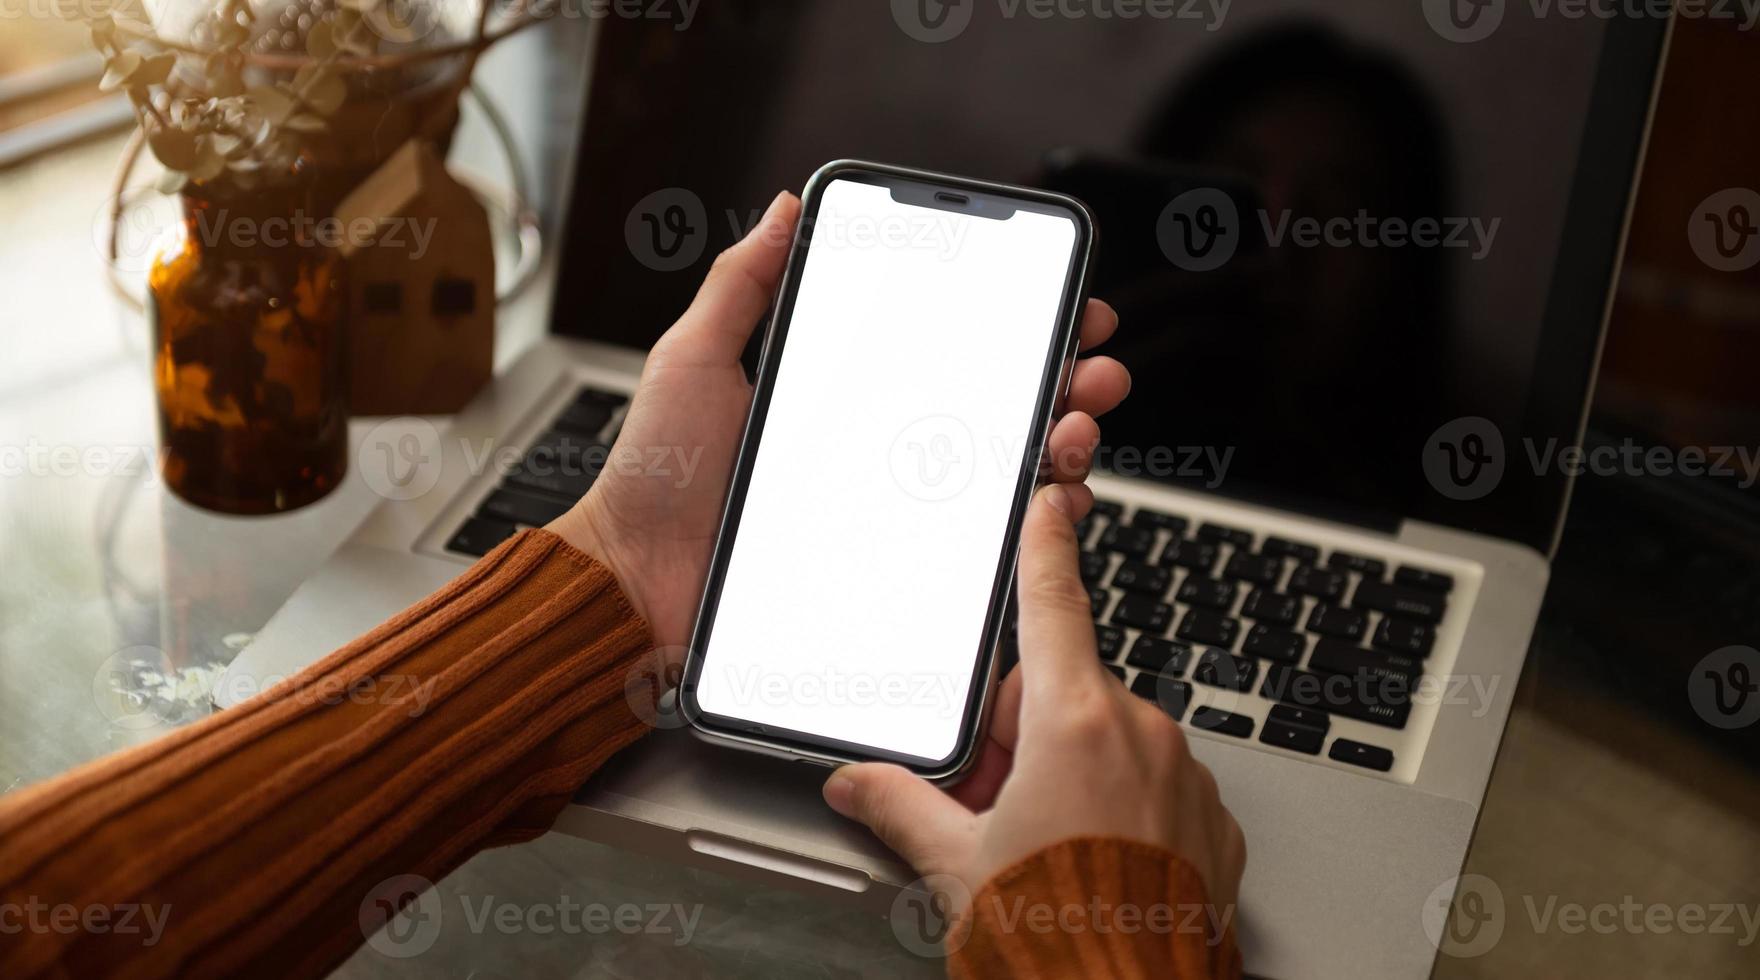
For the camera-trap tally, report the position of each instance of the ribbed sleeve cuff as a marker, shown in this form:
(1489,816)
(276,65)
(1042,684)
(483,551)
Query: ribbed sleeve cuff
(1095,907)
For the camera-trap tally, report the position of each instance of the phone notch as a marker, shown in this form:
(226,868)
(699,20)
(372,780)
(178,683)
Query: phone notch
(972,203)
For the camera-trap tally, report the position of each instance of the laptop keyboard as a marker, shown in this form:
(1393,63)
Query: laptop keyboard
(1257,639)
(1239,637)
(557,470)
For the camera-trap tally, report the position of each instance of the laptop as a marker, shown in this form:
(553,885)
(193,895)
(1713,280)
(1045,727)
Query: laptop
(1325,469)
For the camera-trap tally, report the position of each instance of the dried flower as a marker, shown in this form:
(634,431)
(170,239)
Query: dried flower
(202,121)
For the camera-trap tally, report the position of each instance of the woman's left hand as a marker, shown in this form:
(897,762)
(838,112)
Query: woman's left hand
(654,512)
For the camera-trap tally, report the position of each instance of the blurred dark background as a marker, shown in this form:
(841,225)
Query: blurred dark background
(1656,572)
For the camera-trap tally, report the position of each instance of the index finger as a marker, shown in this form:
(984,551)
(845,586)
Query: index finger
(1058,655)
(1099,321)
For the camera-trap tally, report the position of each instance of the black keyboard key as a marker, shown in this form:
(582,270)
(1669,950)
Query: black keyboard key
(1321,583)
(610,399)
(1383,701)
(1292,737)
(1093,566)
(1109,640)
(1419,578)
(587,417)
(1208,628)
(1132,542)
(1271,608)
(1199,556)
(1134,576)
(1166,693)
(1109,508)
(571,486)
(1403,636)
(515,507)
(1231,535)
(1097,600)
(1358,754)
(566,454)
(1257,569)
(1145,517)
(1219,668)
(1307,554)
(1271,643)
(1339,657)
(1115,670)
(1289,714)
(1425,607)
(1142,612)
(1213,720)
(1209,593)
(1159,656)
(1366,567)
(479,536)
(1337,621)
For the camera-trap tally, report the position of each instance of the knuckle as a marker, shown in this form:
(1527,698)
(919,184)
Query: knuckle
(722,263)
(1090,721)
(1237,846)
(1167,738)
(1206,780)
(1160,733)
(1056,592)
(1059,532)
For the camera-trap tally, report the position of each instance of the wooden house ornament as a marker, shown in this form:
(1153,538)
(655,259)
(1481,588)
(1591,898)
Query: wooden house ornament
(421,282)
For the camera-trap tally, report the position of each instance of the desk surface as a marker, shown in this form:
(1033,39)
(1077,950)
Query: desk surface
(101,563)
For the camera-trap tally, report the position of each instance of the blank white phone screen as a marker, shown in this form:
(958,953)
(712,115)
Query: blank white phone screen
(854,598)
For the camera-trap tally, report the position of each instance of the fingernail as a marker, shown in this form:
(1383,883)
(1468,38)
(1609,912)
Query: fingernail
(1058,498)
(840,794)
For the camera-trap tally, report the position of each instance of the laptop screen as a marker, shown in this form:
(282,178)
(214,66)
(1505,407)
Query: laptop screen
(1350,242)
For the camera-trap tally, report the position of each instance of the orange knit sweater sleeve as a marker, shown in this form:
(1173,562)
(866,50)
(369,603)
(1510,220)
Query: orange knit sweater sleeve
(248,842)
(1095,907)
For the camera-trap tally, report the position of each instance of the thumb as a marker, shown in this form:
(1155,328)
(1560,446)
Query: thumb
(925,826)
(737,291)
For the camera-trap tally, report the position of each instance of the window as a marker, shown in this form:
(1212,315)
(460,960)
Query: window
(49,78)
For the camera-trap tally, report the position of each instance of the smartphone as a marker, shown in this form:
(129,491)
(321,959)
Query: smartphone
(922,341)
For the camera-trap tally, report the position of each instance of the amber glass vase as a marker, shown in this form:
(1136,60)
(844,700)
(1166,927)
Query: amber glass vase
(249,354)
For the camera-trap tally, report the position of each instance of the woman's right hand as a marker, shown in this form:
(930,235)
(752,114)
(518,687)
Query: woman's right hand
(1071,753)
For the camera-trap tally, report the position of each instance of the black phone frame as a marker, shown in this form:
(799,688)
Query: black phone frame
(943,191)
